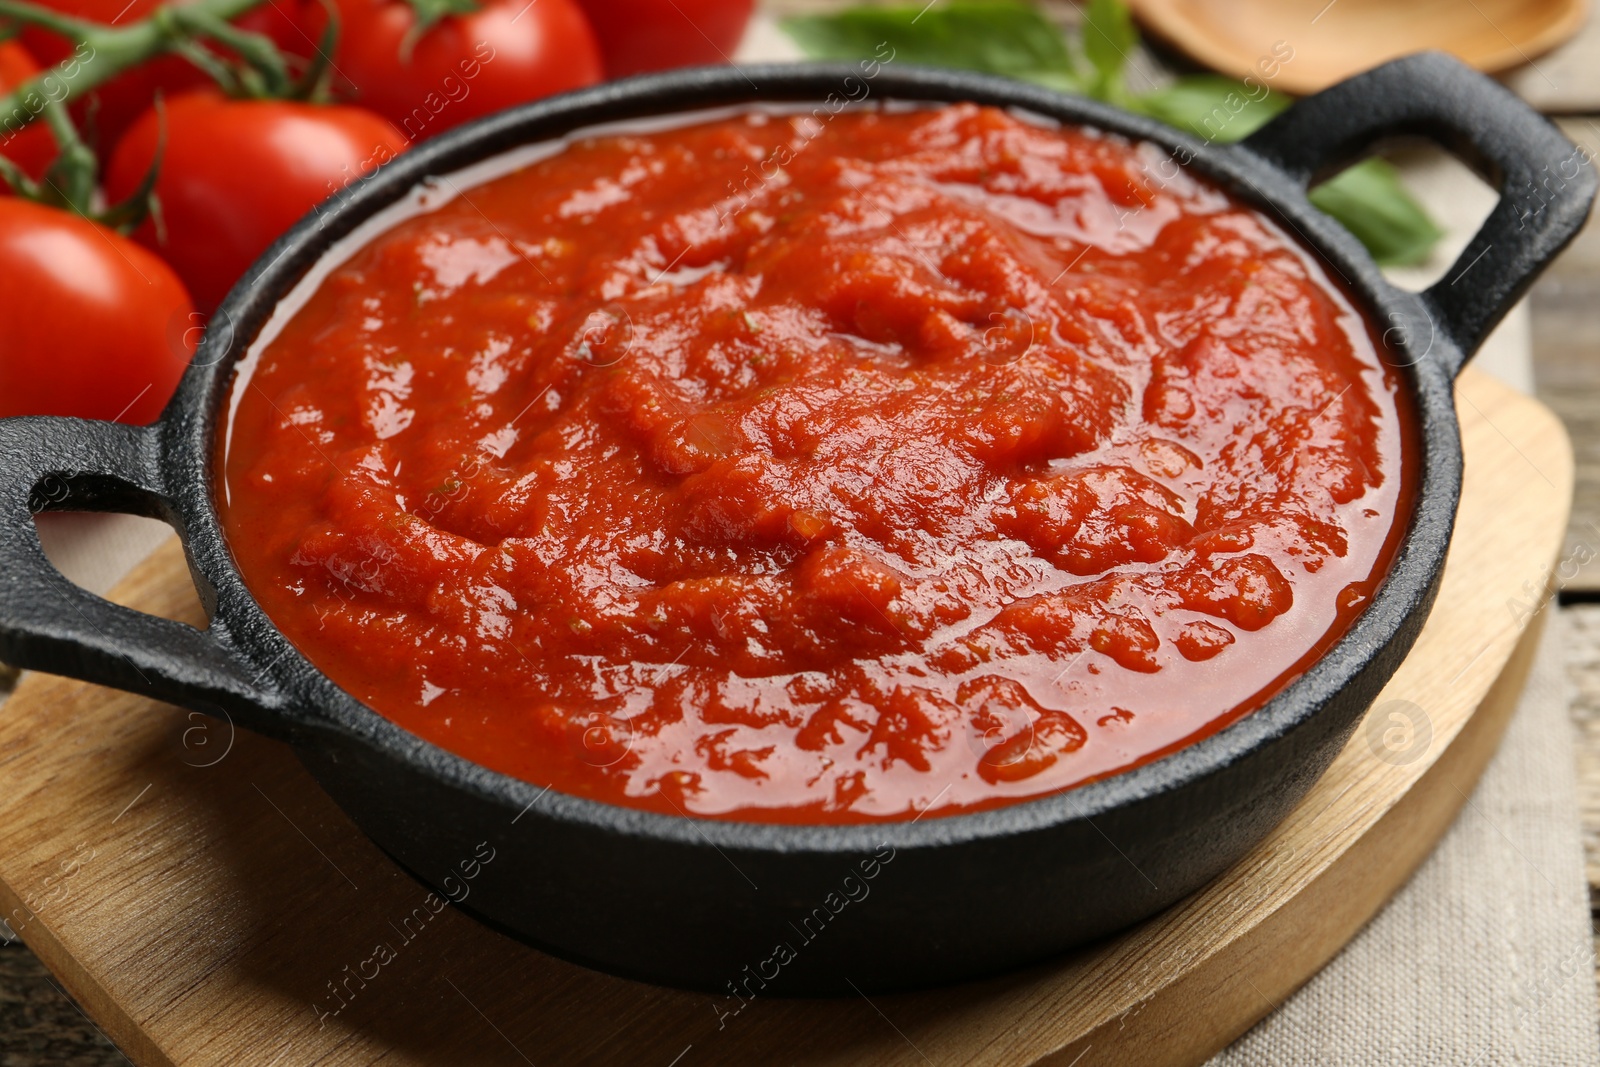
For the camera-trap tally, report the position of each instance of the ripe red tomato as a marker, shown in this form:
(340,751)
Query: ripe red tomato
(91,324)
(107,112)
(641,35)
(29,147)
(237,173)
(465,66)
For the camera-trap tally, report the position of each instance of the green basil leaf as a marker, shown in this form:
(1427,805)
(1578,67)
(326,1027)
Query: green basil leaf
(1108,40)
(1212,107)
(1369,201)
(996,36)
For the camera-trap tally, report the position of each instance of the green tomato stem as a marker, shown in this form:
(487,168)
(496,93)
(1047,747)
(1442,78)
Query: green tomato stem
(210,64)
(256,50)
(71,178)
(18,181)
(30,15)
(106,51)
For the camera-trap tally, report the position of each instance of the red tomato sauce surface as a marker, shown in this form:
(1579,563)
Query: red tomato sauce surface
(820,469)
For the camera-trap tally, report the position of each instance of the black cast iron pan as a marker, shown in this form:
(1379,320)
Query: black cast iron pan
(697,902)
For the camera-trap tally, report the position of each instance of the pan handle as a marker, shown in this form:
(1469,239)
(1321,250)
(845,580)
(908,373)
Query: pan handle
(1546,183)
(49,624)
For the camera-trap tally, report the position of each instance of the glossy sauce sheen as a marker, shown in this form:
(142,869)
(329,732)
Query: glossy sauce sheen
(793,470)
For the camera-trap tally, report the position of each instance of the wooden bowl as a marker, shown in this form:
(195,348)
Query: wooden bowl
(1334,39)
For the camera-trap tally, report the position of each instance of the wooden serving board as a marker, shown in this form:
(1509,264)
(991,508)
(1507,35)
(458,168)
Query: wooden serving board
(205,902)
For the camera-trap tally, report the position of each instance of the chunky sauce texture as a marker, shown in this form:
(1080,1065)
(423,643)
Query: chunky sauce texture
(820,469)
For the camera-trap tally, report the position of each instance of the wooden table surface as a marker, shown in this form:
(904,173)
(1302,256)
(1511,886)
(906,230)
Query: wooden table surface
(39,1025)
(1566,355)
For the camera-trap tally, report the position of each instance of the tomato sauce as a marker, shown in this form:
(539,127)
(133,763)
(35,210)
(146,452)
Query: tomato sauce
(814,469)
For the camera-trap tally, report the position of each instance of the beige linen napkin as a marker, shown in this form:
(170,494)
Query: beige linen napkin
(97,550)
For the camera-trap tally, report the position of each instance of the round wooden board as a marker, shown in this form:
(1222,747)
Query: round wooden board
(207,904)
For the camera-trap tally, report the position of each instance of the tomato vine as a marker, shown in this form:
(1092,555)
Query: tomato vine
(258,70)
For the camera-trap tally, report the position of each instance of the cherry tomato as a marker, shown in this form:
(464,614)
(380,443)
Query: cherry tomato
(641,35)
(29,147)
(91,324)
(237,173)
(465,66)
(107,112)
